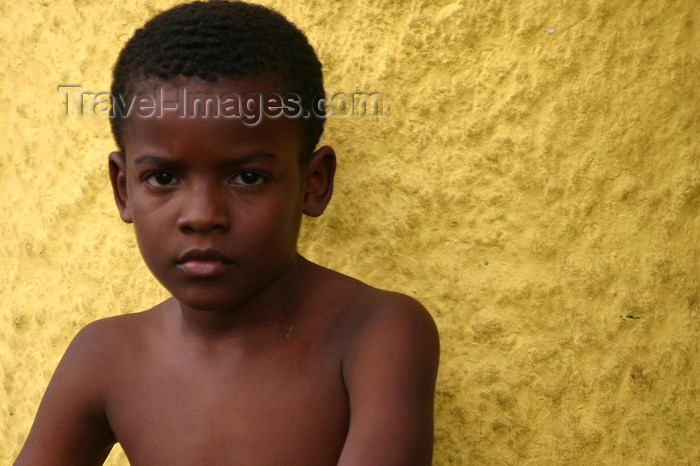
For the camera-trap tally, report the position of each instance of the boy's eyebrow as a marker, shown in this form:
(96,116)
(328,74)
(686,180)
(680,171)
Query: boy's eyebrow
(144,159)
(241,160)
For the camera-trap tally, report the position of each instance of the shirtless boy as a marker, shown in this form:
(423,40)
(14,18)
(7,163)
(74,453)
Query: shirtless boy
(260,357)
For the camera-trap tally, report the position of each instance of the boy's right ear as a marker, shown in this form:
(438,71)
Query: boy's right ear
(117,174)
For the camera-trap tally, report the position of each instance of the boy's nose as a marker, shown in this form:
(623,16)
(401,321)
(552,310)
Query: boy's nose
(203,210)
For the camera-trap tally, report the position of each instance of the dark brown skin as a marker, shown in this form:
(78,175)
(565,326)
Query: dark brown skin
(261,357)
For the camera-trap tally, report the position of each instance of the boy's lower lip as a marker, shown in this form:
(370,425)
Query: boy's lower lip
(202,268)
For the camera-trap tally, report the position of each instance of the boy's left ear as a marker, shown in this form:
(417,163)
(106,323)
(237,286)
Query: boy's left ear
(318,181)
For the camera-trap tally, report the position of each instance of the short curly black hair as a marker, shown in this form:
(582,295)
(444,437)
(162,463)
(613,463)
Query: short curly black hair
(221,39)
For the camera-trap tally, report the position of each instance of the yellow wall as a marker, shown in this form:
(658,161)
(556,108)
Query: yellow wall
(535,183)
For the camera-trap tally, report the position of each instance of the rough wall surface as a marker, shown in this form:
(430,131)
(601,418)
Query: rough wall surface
(535,182)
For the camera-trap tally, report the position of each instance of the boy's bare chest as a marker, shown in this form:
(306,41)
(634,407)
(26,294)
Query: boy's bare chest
(279,408)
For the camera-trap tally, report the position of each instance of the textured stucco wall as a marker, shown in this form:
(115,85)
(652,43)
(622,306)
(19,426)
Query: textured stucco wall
(535,182)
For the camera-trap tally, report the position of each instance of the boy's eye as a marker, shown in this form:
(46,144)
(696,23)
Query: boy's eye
(161,179)
(248,179)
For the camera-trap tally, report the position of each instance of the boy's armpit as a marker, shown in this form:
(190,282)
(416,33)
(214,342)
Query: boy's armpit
(389,369)
(70,427)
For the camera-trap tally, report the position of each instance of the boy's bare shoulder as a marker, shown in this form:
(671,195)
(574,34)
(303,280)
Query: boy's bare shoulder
(109,349)
(365,309)
(114,337)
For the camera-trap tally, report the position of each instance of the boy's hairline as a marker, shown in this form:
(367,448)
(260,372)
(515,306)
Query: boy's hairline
(144,79)
(139,82)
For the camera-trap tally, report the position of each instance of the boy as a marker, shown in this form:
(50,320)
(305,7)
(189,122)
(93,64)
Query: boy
(260,357)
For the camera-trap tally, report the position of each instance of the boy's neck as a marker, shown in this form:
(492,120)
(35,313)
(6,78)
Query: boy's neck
(267,313)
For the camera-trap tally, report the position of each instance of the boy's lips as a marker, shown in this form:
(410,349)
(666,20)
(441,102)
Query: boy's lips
(207,263)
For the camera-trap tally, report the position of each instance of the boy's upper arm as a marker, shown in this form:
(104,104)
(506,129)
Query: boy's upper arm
(70,427)
(389,370)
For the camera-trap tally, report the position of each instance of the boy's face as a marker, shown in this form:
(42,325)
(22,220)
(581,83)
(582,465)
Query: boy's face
(216,204)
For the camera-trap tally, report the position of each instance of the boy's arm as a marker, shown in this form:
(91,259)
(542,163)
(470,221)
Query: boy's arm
(70,427)
(389,371)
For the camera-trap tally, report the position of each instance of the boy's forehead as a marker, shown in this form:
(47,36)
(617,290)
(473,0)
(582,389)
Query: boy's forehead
(239,108)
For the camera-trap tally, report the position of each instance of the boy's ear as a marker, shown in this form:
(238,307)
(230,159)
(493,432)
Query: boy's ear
(117,174)
(318,179)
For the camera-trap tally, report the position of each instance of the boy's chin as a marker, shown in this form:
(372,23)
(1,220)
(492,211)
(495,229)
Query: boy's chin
(208,302)
(217,296)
